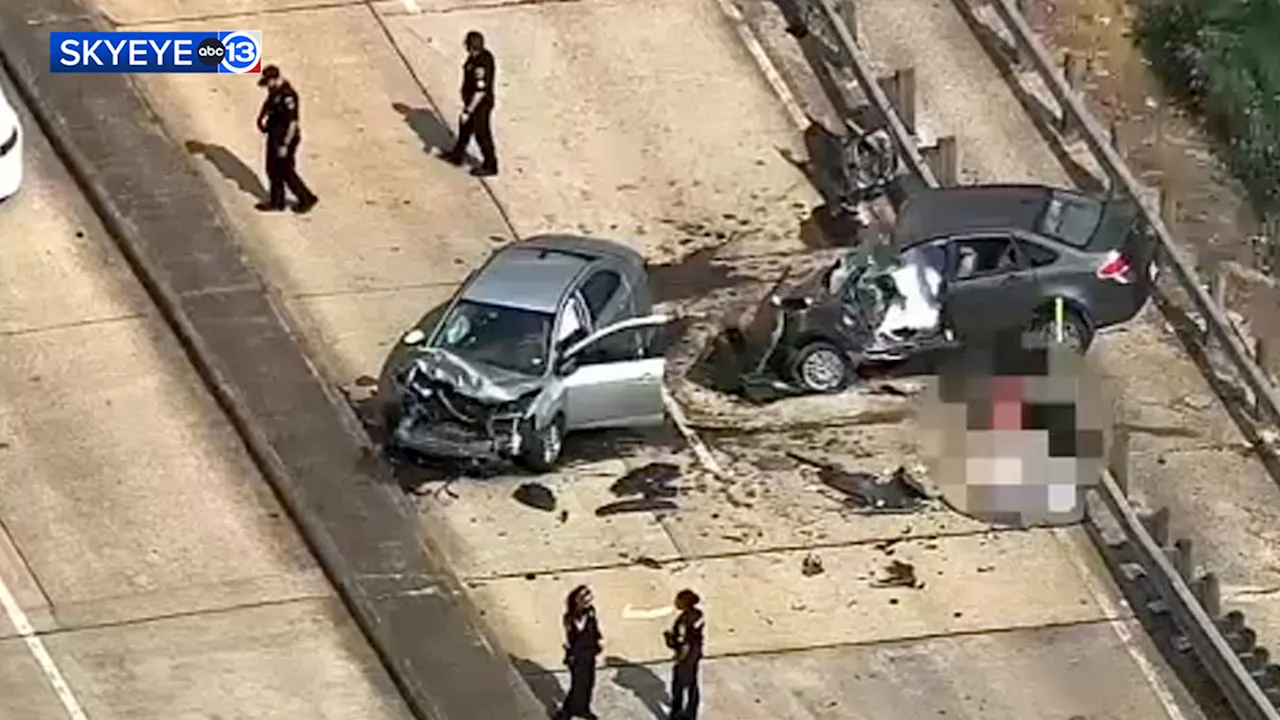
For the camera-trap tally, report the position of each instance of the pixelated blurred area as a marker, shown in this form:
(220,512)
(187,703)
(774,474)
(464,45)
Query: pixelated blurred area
(1015,433)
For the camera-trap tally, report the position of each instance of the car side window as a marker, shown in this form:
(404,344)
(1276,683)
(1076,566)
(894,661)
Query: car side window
(622,346)
(979,257)
(573,324)
(598,290)
(1038,255)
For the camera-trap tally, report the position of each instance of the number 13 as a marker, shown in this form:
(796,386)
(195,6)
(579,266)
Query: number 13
(240,51)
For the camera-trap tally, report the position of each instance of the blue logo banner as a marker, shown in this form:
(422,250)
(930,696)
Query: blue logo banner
(235,52)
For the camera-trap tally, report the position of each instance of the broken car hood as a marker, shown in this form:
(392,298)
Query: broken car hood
(478,382)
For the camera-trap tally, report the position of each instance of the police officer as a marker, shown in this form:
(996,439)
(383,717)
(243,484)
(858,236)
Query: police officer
(478,85)
(686,638)
(582,643)
(279,120)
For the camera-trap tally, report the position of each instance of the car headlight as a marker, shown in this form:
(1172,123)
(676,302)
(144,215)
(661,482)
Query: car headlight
(10,143)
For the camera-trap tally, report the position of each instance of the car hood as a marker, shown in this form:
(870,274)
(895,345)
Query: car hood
(484,383)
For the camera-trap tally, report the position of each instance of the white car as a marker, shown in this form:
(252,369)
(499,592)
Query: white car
(10,149)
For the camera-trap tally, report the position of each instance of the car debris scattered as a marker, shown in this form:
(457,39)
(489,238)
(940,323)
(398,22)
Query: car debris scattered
(811,565)
(894,492)
(536,496)
(898,574)
(654,483)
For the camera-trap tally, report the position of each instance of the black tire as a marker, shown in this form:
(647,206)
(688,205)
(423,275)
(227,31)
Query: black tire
(1077,331)
(540,451)
(820,367)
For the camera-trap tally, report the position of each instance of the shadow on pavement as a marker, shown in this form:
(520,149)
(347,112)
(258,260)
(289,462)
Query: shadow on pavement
(544,684)
(231,167)
(642,682)
(437,138)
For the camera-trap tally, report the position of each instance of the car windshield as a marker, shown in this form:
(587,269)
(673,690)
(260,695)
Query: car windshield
(504,337)
(1071,218)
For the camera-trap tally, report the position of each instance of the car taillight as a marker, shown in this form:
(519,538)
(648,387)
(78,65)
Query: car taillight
(1115,268)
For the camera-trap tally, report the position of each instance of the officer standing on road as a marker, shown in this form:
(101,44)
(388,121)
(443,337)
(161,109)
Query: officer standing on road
(479,82)
(686,638)
(582,643)
(279,120)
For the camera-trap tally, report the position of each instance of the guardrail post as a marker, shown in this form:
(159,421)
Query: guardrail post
(901,89)
(1218,286)
(1157,524)
(1072,70)
(1180,557)
(1168,207)
(848,13)
(942,159)
(1208,592)
(1118,457)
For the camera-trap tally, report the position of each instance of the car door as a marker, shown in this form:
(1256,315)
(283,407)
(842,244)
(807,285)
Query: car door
(615,377)
(602,293)
(991,288)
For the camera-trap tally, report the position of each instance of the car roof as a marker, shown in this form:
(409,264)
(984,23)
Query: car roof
(537,273)
(947,211)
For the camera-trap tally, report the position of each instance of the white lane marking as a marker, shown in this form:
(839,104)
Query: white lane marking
(22,624)
(630,612)
(1100,596)
(411,7)
(771,74)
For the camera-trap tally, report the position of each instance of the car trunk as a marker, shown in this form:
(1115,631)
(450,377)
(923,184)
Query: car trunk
(1123,239)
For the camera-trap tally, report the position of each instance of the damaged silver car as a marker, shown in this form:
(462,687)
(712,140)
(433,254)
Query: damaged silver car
(552,334)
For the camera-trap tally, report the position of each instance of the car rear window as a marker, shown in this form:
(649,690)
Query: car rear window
(1071,219)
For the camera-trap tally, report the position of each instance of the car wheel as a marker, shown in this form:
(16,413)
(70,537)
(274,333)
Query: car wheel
(541,448)
(1076,332)
(821,368)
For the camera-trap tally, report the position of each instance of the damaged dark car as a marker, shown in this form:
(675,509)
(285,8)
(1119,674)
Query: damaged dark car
(964,265)
(552,334)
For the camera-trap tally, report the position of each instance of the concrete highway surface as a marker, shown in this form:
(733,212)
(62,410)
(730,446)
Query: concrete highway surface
(138,543)
(651,123)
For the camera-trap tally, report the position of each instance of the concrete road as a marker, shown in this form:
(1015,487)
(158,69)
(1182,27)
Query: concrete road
(651,124)
(136,537)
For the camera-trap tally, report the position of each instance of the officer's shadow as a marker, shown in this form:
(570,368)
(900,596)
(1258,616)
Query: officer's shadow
(231,167)
(643,682)
(437,138)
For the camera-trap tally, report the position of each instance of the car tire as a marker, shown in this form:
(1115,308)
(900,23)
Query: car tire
(541,448)
(820,367)
(1077,332)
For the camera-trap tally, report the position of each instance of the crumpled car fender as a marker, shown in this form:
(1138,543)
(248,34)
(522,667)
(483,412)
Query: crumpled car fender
(550,401)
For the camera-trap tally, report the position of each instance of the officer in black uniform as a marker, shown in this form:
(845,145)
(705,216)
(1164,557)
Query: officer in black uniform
(582,643)
(279,120)
(478,84)
(686,638)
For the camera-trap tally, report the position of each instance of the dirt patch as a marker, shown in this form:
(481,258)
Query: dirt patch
(1162,144)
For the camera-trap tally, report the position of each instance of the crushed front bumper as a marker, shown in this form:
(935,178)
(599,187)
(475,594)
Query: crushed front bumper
(455,441)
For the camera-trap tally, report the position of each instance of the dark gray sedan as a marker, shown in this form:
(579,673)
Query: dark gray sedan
(965,264)
(550,335)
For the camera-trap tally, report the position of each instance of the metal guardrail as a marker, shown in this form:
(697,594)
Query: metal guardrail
(1223,644)
(1171,255)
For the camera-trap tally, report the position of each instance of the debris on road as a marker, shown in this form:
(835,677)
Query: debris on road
(811,565)
(646,561)
(896,492)
(899,574)
(536,495)
(654,483)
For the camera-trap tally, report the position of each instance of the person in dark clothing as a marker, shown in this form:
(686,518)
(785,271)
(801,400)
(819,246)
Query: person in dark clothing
(583,642)
(686,638)
(279,120)
(479,81)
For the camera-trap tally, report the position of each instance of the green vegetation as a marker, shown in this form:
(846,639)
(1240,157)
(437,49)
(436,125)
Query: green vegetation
(1221,58)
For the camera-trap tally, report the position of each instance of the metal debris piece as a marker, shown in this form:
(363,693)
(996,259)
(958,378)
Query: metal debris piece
(899,491)
(899,574)
(648,562)
(536,495)
(811,565)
